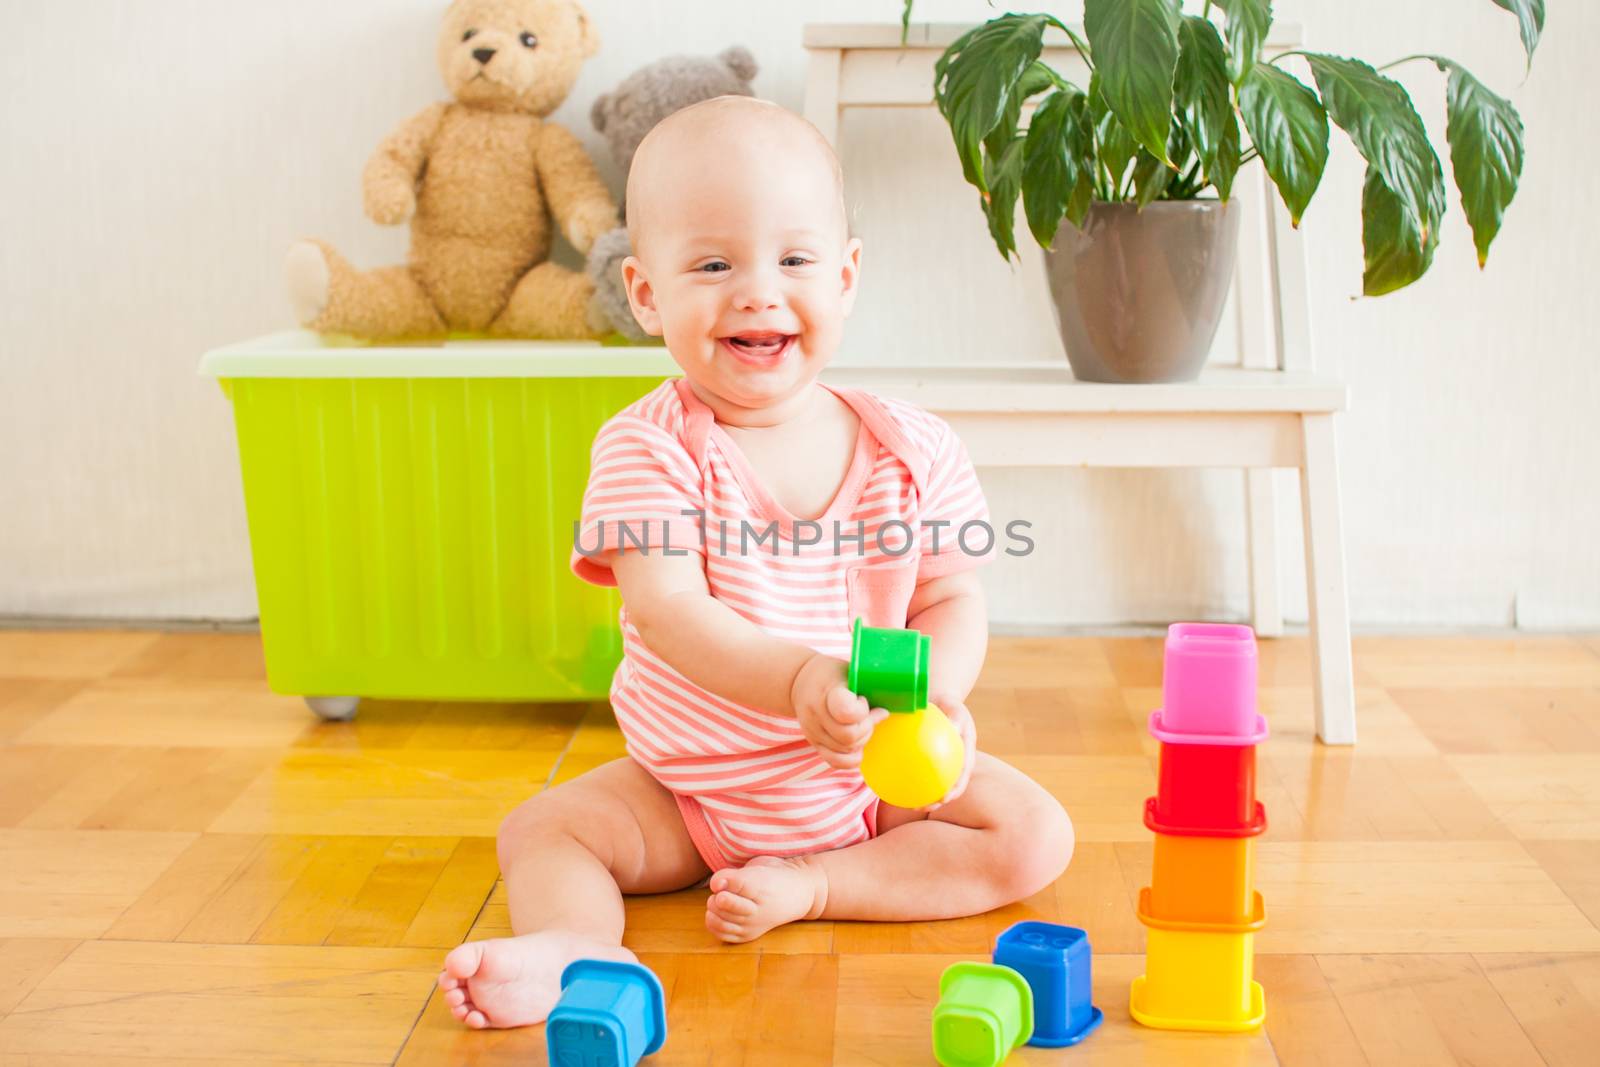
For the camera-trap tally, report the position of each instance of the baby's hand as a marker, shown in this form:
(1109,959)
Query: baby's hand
(836,721)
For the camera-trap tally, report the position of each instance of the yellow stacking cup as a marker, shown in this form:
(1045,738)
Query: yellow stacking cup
(1198,981)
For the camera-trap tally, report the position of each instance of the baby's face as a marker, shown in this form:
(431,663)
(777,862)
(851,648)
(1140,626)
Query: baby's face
(743,265)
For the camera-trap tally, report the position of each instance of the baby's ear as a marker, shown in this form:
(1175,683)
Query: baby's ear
(850,274)
(598,111)
(641,297)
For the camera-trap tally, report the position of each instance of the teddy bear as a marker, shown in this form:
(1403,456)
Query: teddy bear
(480,178)
(623,117)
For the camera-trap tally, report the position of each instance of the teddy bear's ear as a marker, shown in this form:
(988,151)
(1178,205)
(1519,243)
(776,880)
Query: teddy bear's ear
(588,37)
(739,60)
(598,111)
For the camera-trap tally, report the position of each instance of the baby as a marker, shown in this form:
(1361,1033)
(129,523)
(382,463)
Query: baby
(747,513)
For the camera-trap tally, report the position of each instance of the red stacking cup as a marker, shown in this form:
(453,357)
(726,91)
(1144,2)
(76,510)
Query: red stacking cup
(1206,790)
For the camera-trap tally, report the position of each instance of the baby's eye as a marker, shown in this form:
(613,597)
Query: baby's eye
(794,261)
(715,267)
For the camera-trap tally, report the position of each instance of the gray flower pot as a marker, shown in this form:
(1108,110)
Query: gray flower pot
(1138,294)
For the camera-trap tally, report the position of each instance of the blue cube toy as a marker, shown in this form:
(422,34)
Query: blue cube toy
(610,1015)
(1055,961)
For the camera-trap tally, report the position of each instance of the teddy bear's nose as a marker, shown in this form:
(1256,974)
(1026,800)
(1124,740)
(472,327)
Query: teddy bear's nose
(483,55)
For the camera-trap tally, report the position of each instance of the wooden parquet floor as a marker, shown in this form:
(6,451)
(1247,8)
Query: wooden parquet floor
(194,870)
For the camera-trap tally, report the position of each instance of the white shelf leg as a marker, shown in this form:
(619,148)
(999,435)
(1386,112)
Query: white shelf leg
(1331,667)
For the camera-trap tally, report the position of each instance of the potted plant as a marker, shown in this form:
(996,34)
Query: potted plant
(1113,176)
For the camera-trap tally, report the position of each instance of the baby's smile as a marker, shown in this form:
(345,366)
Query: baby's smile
(761,348)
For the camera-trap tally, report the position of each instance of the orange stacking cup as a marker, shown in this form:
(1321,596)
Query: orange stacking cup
(1203,883)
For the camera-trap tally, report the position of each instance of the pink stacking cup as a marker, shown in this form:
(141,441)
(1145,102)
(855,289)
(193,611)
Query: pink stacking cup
(1208,685)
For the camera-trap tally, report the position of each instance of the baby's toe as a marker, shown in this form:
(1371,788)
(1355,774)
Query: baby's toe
(464,960)
(722,923)
(475,1019)
(734,883)
(455,997)
(736,935)
(732,905)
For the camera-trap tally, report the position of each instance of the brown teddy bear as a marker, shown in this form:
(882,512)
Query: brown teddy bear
(480,179)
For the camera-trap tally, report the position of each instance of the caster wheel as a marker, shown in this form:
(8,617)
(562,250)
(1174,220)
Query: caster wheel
(334,709)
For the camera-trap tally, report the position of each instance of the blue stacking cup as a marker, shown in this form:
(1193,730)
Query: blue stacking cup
(610,1013)
(1055,961)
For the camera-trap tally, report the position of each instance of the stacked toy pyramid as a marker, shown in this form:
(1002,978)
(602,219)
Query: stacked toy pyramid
(1201,909)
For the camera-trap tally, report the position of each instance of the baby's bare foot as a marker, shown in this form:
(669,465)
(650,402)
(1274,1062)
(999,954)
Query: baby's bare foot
(768,891)
(515,981)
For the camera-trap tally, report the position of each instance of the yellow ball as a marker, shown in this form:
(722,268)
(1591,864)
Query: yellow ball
(913,758)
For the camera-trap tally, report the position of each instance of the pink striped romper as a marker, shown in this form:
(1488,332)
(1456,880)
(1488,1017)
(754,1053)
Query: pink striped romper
(746,780)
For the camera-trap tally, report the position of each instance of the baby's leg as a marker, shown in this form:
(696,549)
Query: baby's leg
(567,856)
(1001,841)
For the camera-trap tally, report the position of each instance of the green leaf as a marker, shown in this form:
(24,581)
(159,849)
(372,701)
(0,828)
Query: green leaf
(1116,144)
(975,77)
(1248,23)
(1485,135)
(1397,251)
(1037,78)
(905,21)
(1135,48)
(1227,158)
(1004,180)
(1530,21)
(1201,89)
(1290,132)
(1082,198)
(1377,114)
(1150,178)
(1057,160)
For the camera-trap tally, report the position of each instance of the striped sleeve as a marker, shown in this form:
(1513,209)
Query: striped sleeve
(643,495)
(954,516)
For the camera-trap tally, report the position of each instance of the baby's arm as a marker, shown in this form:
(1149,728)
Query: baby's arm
(724,653)
(702,638)
(952,611)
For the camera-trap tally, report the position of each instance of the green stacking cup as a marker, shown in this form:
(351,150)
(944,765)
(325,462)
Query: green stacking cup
(985,1012)
(889,667)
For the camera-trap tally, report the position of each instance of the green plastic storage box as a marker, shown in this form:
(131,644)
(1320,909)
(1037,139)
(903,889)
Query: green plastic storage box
(411,513)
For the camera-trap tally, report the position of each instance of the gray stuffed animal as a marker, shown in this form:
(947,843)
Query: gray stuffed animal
(623,117)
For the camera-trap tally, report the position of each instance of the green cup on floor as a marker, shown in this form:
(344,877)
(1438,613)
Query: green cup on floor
(985,1012)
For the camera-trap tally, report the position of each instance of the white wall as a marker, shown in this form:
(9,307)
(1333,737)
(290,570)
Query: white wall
(160,157)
